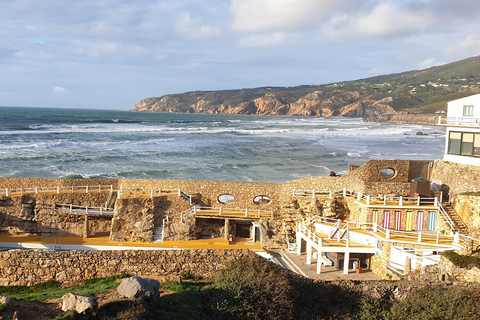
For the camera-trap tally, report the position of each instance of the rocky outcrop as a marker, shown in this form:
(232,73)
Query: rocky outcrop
(136,287)
(316,103)
(81,304)
(133,220)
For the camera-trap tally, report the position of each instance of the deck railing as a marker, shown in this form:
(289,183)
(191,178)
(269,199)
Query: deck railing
(152,193)
(83,209)
(459,121)
(432,237)
(221,211)
(369,200)
(12,192)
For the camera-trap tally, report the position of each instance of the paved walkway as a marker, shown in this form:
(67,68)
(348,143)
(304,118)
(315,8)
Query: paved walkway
(212,243)
(298,265)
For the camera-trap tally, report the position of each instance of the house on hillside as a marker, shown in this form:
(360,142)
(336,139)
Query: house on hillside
(463,130)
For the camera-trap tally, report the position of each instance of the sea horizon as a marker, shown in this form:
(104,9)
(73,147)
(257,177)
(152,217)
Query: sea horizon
(99,143)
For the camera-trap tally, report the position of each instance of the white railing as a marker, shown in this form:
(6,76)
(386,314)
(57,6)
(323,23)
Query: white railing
(152,193)
(221,211)
(446,217)
(9,192)
(180,216)
(83,209)
(369,200)
(321,193)
(459,121)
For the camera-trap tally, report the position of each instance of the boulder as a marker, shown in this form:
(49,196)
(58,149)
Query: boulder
(81,304)
(6,301)
(136,287)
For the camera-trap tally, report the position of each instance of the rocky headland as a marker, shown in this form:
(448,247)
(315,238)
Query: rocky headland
(410,97)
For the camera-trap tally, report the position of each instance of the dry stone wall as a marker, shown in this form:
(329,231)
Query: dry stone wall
(457,178)
(468,208)
(23,267)
(36,214)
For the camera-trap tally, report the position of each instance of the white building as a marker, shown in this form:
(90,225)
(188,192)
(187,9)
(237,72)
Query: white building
(463,131)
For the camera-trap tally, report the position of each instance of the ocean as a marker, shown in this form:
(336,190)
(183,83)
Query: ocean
(53,143)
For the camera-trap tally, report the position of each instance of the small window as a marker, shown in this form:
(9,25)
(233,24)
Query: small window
(476,145)
(467,111)
(454,142)
(258,200)
(467,144)
(387,173)
(226,198)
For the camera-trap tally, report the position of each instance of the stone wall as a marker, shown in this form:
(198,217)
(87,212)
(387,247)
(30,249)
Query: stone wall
(23,267)
(36,214)
(468,208)
(446,271)
(457,178)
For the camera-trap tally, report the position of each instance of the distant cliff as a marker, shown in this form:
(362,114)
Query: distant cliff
(382,98)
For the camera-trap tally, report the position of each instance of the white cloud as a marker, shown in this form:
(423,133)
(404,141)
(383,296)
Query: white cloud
(428,63)
(194,28)
(59,90)
(386,19)
(468,46)
(100,92)
(279,15)
(267,40)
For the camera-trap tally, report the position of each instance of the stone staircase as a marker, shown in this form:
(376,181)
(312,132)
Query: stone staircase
(158,235)
(457,221)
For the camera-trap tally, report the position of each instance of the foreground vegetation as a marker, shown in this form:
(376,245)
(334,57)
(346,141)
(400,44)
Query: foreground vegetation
(252,289)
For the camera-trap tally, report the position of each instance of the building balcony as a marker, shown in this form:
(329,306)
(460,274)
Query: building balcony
(458,121)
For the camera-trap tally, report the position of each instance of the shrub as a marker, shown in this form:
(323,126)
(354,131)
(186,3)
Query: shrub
(249,289)
(436,303)
(461,260)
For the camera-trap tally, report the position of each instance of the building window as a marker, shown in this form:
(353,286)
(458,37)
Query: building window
(476,145)
(454,142)
(464,143)
(467,144)
(467,111)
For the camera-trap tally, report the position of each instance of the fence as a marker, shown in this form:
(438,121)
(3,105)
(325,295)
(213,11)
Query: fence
(56,190)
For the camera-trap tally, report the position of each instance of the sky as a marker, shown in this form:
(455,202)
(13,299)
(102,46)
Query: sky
(110,54)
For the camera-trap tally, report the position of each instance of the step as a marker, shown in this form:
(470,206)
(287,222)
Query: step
(158,235)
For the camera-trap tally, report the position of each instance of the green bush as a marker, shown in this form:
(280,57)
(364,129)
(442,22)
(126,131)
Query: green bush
(461,260)
(249,289)
(437,303)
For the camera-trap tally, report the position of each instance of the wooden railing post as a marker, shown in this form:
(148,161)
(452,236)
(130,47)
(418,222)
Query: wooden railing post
(418,201)
(344,192)
(220,211)
(86,189)
(58,189)
(400,202)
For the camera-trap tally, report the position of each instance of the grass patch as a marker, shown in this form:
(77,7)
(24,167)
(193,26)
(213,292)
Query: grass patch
(53,289)
(461,260)
(471,193)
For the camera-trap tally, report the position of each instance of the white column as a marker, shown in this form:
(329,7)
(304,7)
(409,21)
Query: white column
(299,243)
(319,262)
(346,261)
(309,253)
